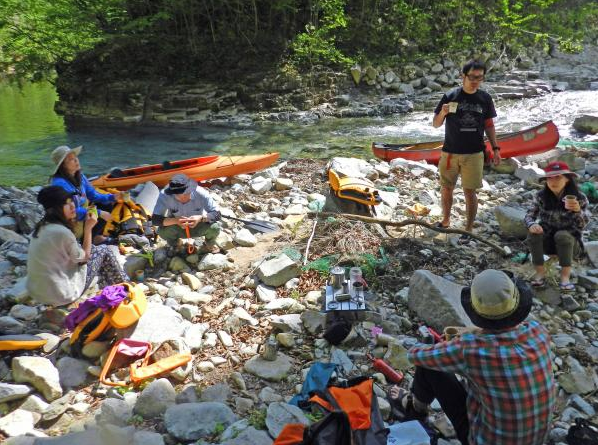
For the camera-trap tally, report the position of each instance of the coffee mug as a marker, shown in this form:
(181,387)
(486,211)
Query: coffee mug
(450,332)
(453,107)
(569,200)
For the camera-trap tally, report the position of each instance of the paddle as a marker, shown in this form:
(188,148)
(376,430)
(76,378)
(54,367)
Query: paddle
(257,225)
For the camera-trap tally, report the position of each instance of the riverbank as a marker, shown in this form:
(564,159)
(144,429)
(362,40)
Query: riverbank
(310,97)
(222,307)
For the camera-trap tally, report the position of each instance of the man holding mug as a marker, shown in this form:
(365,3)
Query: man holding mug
(508,390)
(467,113)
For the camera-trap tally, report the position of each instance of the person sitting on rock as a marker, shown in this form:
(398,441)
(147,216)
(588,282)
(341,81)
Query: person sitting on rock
(67,174)
(59,270)
(508,393)
(555,222)
(186,210)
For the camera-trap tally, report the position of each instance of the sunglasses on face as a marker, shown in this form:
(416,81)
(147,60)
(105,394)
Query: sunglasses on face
(473,78)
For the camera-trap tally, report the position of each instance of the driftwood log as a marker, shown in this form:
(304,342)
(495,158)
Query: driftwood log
(409,222)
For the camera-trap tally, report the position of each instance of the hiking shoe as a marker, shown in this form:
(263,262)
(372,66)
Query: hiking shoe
(403,409)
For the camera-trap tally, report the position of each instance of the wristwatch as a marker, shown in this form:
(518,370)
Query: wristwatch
(496,147)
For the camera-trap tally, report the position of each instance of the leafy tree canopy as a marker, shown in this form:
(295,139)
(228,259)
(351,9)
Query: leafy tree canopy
(187,39)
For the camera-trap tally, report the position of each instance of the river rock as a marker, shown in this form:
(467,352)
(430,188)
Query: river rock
(115,412)
(287,322)
(219,392)
(40,372)
(265,293)
(155,399)
(313,321)
(260,185)
(251,436)
(285,304)
(22,312)
(11,235)
(147,438)
(34,404)
(10,326)
(18,422)
(278,271)
(511,221)
(193,421)
(191,280)
(436,300)
(245,238)
(578,380)
(279,414)
(274,371)
(134,263)
(72,372)
(586,124)
(353,167)
(158,324)
(214,261)
(10,392)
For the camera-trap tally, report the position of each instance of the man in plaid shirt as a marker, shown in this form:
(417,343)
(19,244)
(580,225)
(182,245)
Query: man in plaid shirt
(506,364)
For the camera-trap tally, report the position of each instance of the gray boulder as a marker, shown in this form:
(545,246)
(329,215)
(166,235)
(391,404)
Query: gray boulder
(155,399)
(586,124)
(436,300)
(511,221)
(158,324)
(10,392)
(279,414)
(72,372)
(274,370)
(193,421)
(278,271)
(40,372)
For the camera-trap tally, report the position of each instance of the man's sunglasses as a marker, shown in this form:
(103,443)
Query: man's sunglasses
(475,78)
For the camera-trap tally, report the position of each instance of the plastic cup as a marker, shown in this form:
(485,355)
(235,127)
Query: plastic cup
(453,107)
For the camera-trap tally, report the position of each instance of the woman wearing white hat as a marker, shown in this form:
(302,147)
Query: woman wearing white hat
(67,174)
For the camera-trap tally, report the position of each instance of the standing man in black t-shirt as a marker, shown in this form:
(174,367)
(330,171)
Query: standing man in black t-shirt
(467,112)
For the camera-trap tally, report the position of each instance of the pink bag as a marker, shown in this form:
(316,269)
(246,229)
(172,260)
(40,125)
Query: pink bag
(124,352)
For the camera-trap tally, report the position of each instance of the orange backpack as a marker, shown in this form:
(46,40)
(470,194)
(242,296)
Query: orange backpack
(352,417)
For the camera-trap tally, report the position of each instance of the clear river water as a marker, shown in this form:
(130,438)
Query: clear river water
(30,130)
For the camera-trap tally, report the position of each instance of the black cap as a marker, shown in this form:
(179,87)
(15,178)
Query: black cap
(53,196)
(179,184)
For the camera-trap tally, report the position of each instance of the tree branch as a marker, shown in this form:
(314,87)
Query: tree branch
(408,222)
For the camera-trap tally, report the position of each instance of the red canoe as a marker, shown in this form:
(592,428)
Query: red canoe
(521,143)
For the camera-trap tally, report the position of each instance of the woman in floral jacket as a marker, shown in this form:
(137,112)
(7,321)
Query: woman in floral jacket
(555,222)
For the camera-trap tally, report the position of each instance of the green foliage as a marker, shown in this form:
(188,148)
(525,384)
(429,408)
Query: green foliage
(317,44)
(135,420)
(315,416)
(187,39)
(257,419)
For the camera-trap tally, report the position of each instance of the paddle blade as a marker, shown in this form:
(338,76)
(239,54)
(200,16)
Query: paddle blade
(261,226)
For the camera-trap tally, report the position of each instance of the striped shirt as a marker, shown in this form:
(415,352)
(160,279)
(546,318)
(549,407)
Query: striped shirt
(201,203)
(511,390)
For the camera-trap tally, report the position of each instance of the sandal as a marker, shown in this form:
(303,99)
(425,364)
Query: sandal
(567,287)
(402,406)
(439,225)
(538,282)
(464,239)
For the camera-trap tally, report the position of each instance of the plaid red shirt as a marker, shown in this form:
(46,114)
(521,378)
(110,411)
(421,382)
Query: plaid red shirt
(511,389)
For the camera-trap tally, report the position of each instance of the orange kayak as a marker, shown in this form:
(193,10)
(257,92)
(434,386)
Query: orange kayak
(521,143)
(200,169)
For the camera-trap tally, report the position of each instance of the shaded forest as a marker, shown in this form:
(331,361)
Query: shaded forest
(216,39)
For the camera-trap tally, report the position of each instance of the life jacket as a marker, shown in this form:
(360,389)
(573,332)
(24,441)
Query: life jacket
(354,189)
(352,416)
(98,324)
(129,217)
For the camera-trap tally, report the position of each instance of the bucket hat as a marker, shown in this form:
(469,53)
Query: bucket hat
(59,153)
(180,184)
(556,168)
(496,301)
